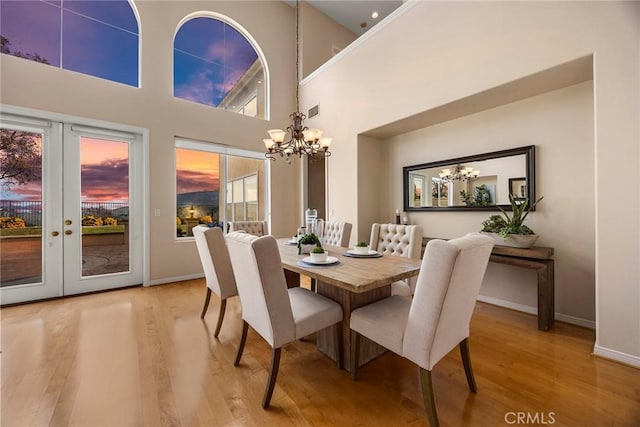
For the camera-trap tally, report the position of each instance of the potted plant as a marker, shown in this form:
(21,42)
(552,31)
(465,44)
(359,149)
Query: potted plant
(509,229)
(318,254)
(307,243)
(361,248)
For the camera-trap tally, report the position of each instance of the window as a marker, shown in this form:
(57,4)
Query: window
(216,65)
(98,38)
(242,199)
(202,170)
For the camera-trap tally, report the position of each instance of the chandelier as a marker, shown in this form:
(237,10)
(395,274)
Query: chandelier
(297,139)
(459,173)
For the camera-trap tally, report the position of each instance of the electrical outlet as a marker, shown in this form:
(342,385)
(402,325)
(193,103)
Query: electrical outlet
(157,212)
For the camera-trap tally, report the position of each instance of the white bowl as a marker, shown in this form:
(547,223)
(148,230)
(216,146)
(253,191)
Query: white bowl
(361,250)
(319,257)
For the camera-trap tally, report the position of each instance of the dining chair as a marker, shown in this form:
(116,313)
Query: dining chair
(426,327)
(337,233)
(279,315)
(257,228)
(218,271)
(398,240)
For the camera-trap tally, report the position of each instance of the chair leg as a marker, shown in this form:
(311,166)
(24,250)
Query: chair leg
(243,340)
(223,307)
(313,285)
(355,354)
(206,303)
(273,374)
(428,397)
(466,362)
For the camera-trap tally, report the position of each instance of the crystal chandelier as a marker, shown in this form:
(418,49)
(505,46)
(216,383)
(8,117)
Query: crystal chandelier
(459,173)
(301,139)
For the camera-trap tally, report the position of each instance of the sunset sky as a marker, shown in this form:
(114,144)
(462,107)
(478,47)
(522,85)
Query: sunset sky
(197,171)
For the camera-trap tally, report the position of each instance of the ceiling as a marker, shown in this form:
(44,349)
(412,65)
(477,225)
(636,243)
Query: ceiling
(352,14)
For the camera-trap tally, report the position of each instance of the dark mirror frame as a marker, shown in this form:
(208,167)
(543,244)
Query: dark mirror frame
(530,176)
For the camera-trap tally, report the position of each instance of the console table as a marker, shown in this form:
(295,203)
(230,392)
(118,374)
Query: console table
(536,258)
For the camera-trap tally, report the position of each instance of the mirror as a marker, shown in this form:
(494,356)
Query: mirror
(479,182)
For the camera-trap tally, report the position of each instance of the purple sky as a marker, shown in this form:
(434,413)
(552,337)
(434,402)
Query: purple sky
(100,38)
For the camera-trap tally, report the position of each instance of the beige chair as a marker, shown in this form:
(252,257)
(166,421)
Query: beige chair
(277,314)
(337,233)
(257,228)
(399,240)
(426,327)
(217,268)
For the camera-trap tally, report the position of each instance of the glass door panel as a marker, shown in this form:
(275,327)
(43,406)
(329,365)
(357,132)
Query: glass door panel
(104,206)
(20,207)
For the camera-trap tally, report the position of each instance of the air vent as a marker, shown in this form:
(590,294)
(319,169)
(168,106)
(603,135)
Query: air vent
(313,111)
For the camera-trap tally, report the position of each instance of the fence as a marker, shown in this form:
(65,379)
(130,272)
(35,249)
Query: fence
(31,211)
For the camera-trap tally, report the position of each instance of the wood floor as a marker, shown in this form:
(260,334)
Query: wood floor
(143,357)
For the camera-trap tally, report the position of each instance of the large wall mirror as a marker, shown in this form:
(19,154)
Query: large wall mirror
(479,182)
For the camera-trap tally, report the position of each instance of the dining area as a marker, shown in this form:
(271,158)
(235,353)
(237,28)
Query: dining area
(359,303)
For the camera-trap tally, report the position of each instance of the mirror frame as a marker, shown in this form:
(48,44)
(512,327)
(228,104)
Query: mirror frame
(530,175)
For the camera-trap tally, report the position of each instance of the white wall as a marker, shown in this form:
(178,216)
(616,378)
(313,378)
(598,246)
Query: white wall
(560,125)
(438,52)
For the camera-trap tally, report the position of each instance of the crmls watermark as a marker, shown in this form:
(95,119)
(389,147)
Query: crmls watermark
(538,418)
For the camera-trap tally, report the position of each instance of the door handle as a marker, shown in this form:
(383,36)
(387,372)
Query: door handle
(54,233)
(68,232)
(67,222)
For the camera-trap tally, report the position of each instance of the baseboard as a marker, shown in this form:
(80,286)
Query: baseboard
(618,356)
(590,324)
(174,279)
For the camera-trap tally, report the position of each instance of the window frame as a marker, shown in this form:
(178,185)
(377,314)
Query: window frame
(252,41)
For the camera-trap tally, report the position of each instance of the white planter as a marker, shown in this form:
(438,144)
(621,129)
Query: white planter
(514,240)
(319,257)
(361,250)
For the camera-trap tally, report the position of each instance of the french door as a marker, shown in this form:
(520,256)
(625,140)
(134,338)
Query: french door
(71,207)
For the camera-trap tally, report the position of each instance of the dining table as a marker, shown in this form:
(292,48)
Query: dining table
(352,281)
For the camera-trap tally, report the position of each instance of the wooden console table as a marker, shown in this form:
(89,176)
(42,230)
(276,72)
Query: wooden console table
(536,258)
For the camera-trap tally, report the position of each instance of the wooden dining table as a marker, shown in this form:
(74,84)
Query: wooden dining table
(352,283)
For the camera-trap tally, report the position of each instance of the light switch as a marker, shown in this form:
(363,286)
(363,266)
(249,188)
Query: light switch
(157,212)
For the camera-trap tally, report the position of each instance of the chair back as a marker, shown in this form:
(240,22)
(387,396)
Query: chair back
(448,285)
(216,263)
(395,239)
(262,287)
(257,228)
(337,233)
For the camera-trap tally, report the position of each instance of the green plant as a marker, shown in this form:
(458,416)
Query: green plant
(506,224)
(362,244)
(309,239)
(481,196)
(317,250)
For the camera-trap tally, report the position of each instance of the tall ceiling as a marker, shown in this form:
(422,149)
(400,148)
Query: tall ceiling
(353,14)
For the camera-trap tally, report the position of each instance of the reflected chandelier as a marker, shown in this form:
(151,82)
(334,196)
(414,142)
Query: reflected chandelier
(302,140)
(459,173)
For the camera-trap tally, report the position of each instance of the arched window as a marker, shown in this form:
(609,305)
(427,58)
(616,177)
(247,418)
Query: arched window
(98,38)
(215,64)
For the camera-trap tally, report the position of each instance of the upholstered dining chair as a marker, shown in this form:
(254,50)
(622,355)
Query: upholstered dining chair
(218,271)
(257,228)
(277,314)
(426,327)
(337,233)
(399,240)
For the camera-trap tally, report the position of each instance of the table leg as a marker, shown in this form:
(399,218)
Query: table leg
(546,297)
(349,301)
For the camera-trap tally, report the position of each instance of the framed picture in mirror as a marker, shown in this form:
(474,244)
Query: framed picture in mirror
(518,188)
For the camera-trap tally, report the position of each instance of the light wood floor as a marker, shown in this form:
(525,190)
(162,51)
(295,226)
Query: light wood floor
(142,356)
